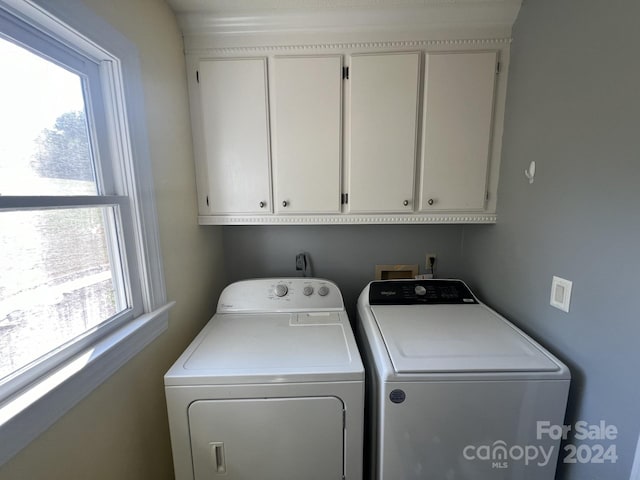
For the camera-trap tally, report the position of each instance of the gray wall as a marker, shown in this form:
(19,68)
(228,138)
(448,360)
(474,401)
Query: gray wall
(346,254)
(573,107)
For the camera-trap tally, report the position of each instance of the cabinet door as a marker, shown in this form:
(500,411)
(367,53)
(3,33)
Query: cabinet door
(458,110)
(233,96)
(382,131)
(306,134)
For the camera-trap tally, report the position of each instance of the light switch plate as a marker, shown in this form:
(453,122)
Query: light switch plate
(561,293)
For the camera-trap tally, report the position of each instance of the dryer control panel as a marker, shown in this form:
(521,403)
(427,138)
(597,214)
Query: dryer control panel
(420,292)
(281,295)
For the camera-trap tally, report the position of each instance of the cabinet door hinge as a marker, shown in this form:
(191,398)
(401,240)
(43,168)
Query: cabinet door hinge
(344,198)
(197,76)
(498,67)
(345,73)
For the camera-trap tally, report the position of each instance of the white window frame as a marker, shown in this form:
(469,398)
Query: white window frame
(32,402)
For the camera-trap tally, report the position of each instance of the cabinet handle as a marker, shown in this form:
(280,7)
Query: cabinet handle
(262,204)
(285,204)
(405,203)
(430,201)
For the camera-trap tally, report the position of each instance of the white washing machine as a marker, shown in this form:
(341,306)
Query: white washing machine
(455,391)
(271,389)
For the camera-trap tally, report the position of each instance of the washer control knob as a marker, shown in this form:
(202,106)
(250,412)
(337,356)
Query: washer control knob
(420,290)
(323,291)
(308,290)
(281,290)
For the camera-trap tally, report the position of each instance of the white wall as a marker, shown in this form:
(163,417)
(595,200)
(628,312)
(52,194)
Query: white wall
(120,431)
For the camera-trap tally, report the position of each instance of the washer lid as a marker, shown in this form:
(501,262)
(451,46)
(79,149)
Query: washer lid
(456,338)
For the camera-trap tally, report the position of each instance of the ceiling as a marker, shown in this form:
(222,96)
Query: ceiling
(232,17)
(227,6)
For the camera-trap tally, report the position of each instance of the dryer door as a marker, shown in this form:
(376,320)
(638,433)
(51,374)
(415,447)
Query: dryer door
(267,439)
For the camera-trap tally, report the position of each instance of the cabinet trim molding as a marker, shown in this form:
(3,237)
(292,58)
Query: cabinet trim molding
(345,219)
(368,46)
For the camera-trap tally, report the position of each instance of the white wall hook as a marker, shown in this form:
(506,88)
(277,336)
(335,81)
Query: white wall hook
(530,172)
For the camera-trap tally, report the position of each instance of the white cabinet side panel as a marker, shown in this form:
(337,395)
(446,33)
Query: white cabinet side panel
(458,112)
(383,121)
(307,128)
(235,126)
(267,439)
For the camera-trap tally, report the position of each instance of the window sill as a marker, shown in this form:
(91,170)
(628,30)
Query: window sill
(27,414)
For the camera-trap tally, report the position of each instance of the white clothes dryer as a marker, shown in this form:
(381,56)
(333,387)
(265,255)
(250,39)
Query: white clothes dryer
(271,389)
(454,390)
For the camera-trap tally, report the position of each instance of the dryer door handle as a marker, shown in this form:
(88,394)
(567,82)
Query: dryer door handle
(217,457)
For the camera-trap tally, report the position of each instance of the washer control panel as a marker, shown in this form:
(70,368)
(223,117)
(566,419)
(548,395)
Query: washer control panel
(281,294)
(420,292)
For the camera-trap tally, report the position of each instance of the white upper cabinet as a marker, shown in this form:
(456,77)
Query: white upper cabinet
(377,112)
(306,113)
(383,111)
(349,136)
(457,130)
(235,135)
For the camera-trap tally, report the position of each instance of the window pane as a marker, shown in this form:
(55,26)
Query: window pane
(60,278)
(44,144)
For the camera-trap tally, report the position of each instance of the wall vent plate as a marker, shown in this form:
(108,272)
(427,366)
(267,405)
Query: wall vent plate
(561,293)
(392,272)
